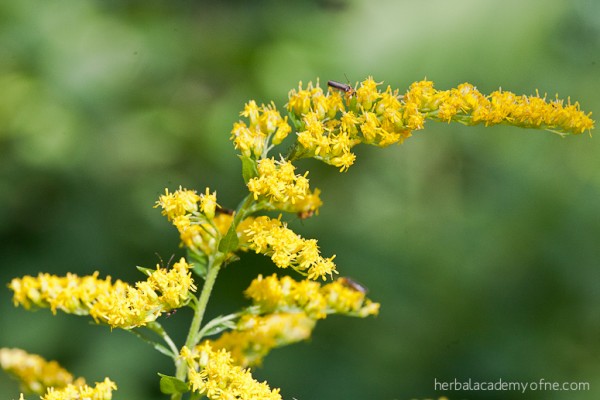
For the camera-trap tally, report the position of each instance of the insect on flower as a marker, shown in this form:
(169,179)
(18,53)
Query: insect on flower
(170,313)
(306,214)
(344,87)
(222,210)
(352,284)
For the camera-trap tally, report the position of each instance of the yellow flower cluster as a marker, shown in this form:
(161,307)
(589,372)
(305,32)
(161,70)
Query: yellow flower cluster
(197,219)
(184,201)
(71,294)
(306,207)
(265,121)
(34,373)
(214,374)
(255,336)
(277,182)
(292,309)
(102,391)
(128,307)
(273,238)
(329,125)
(467,105)
(117,304)
(275,294)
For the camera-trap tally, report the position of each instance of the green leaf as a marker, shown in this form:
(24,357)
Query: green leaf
(199,263)
(145,271)
(159,347)
(295,121)
(249,170)
(230,241)
(219,324)
(219,328)
(172,385)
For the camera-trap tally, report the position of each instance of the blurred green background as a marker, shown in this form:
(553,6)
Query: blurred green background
(481,244)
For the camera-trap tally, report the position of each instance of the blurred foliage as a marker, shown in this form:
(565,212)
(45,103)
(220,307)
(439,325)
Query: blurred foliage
(481,244)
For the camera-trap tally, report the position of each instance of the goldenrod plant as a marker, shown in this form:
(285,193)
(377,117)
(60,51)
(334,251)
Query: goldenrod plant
(216,359)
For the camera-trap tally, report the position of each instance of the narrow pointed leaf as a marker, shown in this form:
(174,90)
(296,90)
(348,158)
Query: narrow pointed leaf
(172,385)
(249,170)
(230,241)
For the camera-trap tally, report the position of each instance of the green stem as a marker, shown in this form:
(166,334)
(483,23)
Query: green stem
(211,277)
(243,208)
(214,265)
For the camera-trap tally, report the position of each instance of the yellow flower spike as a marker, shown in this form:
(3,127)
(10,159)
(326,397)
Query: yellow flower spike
(382,118)
(102,391)
(256,336)
(116,304)
(214,374)
(273,294)
(343,298)
(286,249)
(70,294)
(285,311)
(34,373)
(127,307)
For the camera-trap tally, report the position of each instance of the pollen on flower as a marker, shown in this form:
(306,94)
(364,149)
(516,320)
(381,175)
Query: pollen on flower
(34,373)
(214,374)
(286,249)
(102,391)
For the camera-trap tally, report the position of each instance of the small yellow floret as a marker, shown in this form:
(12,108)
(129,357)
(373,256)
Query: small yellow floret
(178,203)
